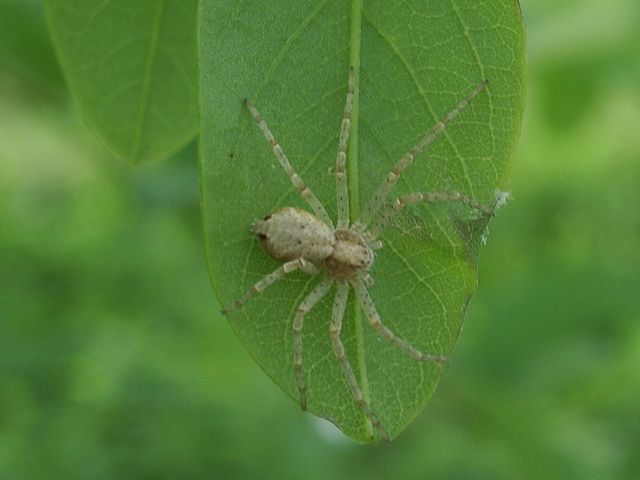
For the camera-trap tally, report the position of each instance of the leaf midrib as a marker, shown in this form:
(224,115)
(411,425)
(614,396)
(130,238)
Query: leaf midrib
(355,35)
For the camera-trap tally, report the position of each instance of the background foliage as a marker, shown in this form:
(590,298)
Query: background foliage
(133,70)
(115,364)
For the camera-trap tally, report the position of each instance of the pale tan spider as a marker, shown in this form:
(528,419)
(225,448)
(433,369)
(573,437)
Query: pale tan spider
(344,253)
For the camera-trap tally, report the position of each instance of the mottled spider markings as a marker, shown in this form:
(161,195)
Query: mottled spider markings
(343,254)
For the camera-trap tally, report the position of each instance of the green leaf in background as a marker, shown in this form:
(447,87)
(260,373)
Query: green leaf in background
(132,67)
(32,61)
(414,61)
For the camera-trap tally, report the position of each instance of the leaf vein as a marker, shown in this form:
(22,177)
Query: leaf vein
(147,80)
(410,268)
(423,94)
(474,49)
(289,42)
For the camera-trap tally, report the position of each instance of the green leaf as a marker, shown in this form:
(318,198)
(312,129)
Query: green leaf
(31,61)
(132,68)
(414,61)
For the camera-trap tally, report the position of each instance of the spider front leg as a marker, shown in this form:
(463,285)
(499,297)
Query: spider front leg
(380,195)
(337,314)
(269,279)
(342,192)
(430,197)
(298,323)
(366,302)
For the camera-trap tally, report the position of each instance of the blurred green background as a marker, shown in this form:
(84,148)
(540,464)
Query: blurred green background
(114,362)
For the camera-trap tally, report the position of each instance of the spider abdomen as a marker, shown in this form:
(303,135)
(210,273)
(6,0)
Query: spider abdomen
(291,233)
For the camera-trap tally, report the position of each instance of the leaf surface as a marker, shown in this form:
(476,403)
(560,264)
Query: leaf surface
(132,68)
(414,61)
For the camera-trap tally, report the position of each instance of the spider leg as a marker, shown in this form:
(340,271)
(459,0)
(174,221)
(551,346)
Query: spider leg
(269,279)
(407,159)
(298,322)
(337,314)
(376,245)
(341,176)
(366,302)
(430,197)
(368,279)
(297,182)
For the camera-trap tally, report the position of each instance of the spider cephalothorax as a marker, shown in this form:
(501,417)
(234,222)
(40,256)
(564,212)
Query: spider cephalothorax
(343,254)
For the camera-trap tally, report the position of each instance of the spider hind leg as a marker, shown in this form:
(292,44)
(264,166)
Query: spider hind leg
(337,315)
(305,307)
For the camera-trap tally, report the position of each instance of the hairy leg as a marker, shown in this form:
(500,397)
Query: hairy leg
(298,323)
(302,188)
(337,315)
(382,222)
(407,159)
(267,280)
(366,302)
(342,192)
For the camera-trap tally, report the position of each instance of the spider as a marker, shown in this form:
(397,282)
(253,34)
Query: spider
(343,254)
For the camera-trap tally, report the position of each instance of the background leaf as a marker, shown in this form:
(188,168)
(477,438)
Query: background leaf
(132,68)
(32,62)
(415,62)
